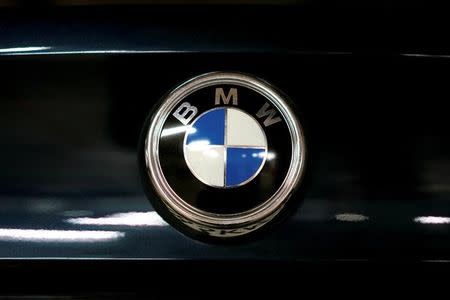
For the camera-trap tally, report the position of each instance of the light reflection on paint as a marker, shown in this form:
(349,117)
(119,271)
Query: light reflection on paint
(432,220)
(51,50)
(426,55)
(23,49)
(349,217)
(125,219)
(177,130)
(44,235)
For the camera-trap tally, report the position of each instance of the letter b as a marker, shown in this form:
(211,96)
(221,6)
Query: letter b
(185,113)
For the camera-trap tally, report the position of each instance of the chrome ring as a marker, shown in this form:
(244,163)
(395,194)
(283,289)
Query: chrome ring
(257,216)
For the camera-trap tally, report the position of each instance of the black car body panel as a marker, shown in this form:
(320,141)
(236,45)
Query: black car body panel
(77,84)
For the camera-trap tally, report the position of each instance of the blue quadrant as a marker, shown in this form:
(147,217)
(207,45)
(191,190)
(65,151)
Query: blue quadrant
(208,129)
(242,164)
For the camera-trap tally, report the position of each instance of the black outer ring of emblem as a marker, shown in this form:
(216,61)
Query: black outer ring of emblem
(204,232)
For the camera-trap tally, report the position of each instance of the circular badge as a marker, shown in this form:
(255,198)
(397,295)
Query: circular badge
(223,153)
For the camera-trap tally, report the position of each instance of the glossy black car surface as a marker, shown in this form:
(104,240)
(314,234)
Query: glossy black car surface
(369,83)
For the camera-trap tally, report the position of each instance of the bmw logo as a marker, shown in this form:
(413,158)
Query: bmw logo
(222,153)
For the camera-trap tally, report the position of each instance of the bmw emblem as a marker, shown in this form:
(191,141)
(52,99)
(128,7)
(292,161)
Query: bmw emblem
(222,153)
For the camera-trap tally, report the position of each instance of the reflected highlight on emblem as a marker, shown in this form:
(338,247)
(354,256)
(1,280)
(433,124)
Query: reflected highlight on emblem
(177,130)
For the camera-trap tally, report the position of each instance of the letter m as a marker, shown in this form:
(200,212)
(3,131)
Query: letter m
(232,95)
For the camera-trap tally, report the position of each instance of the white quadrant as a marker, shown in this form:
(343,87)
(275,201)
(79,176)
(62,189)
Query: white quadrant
(243,130)
(207,163)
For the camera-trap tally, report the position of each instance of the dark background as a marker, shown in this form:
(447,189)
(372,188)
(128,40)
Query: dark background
(370,82)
